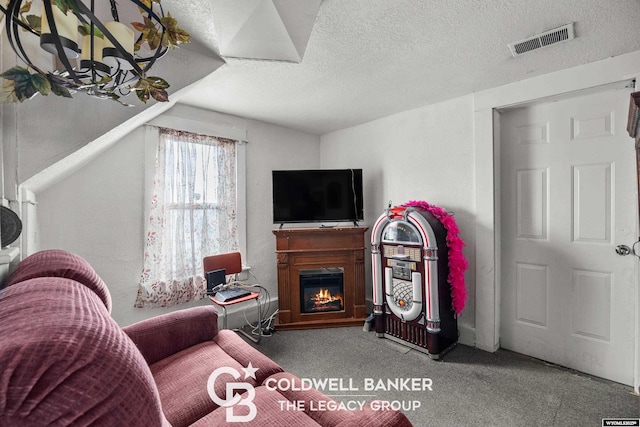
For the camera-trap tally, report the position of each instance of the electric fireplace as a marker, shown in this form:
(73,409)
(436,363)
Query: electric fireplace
(321,290)
(321,277)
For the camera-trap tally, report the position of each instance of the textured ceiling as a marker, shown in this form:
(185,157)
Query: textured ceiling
(367,59)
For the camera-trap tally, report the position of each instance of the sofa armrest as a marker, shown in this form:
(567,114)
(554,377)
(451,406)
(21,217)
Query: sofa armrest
(161,336)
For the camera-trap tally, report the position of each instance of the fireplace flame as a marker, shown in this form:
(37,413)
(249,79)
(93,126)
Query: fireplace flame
(324,297)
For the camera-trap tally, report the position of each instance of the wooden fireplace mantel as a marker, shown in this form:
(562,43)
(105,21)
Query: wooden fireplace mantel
(300,249)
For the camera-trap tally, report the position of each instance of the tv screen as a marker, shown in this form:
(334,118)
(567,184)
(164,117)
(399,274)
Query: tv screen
(326,195)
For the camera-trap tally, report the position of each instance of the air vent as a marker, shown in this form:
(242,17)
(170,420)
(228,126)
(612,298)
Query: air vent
(557,35)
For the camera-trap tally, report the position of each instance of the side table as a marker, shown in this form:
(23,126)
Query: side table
(252,296)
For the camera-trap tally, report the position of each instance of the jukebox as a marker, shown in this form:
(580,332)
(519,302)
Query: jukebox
(411,294)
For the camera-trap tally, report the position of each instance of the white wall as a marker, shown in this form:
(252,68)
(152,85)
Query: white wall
(421,154)
(97,212)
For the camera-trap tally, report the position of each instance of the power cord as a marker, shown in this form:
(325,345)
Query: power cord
(266,326)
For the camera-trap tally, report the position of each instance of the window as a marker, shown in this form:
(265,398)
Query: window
(193,213)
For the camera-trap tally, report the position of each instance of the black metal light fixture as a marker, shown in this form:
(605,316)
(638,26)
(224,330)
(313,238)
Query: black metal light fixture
(104,59)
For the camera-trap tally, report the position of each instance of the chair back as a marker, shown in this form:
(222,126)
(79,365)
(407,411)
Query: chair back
(231,262)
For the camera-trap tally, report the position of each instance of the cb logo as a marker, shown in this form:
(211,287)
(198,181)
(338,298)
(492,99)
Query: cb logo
(232,397)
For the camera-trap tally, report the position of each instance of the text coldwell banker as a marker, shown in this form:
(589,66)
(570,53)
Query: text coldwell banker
(347,384)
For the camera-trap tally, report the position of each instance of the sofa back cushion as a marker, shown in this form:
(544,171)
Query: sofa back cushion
(60,263)
(65,361)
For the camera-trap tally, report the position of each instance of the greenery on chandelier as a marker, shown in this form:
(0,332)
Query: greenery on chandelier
(22,83)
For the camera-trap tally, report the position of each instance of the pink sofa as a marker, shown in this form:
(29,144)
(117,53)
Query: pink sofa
(64,361)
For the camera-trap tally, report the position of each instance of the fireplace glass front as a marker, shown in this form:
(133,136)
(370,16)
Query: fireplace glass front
(321,290)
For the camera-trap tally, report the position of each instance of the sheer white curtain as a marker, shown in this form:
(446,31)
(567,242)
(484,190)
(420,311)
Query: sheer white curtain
(192,215)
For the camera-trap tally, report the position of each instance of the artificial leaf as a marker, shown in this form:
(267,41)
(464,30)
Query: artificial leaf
(150,34)
(143,90)
(147,25)
(160,95)
(104,80)
(33,21)
(152,87)
(26,7)
(173,35)
(66,5)
(25,85)
(157,82)
(143,95)
(57,89)
(138,26)
(14,73)
(85,30)
(148,3)
(7,94)
(41,83)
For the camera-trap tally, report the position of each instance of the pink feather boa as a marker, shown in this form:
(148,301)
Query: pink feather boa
(457,261)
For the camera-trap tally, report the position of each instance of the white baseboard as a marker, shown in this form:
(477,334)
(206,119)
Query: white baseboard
(467,335)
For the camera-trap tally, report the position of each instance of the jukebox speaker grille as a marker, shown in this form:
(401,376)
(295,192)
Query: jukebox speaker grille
(402,292)
(413,334)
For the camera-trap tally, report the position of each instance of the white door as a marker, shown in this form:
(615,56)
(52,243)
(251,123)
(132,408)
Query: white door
(568,199)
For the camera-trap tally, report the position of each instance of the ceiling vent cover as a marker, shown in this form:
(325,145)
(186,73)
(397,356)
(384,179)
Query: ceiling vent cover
(557,35)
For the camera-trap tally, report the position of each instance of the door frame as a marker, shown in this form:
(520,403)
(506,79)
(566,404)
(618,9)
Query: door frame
(486,118)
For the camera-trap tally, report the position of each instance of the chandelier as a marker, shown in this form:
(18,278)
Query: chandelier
(105,59)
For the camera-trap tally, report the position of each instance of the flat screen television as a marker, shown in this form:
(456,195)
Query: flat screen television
(321,195)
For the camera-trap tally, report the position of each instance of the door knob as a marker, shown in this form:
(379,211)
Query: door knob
(623,250)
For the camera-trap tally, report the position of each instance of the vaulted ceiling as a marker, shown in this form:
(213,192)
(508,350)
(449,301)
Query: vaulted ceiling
(367,59)
(324,65)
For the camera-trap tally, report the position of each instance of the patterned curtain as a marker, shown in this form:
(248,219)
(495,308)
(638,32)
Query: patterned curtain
(192,215)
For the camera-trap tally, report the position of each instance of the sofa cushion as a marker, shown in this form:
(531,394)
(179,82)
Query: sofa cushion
(65,361)
(182,378)
(60,263)
(244,354)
